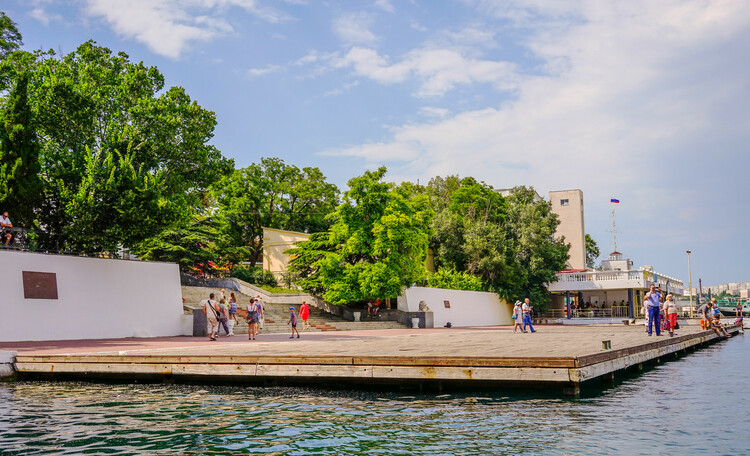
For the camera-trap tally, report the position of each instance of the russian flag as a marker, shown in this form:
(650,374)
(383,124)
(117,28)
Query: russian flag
(614,200)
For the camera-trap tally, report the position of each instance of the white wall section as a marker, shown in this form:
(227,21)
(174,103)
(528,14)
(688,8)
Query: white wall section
(97,299)
(467,308)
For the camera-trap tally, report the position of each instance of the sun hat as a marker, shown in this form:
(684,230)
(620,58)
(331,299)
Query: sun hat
(291,308)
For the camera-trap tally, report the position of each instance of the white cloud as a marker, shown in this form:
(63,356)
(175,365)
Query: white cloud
(167,27)
(385,5)
(354,28)
(438,70)
(268,69)
(39,13)
(433,112)
(626,86)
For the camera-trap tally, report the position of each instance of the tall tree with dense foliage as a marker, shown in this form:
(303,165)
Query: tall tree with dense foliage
(376,246)
(121,157)
(10,38)
(275,195)
(533,252)
(20,182)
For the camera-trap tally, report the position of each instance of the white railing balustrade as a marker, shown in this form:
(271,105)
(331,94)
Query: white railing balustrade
(640,275)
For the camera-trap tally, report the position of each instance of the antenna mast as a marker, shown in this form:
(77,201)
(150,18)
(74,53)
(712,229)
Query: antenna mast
(614,232)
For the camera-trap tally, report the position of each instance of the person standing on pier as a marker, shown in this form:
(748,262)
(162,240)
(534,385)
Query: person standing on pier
(653,303)
(304,314)
(670,312)
(211,309)
(527,309)
(517,318)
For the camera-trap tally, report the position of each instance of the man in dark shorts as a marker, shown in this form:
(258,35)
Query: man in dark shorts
(293,322)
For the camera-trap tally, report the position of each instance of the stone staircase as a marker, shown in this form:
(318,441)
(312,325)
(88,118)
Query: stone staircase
(277,314)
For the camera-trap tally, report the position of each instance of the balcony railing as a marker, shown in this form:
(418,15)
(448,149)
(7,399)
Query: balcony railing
(643,277)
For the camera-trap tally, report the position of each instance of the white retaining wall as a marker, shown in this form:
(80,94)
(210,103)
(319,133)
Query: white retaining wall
(97,299)
(467,308)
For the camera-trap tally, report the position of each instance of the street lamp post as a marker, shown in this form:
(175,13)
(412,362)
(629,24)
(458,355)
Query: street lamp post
(690,285)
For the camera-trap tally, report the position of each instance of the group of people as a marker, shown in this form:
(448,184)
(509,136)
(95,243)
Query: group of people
(711,318)
(522,315)
(655,308)
(223,313)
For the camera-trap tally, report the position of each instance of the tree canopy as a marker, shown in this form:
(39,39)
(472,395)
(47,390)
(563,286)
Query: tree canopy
(375,247)
(119,157)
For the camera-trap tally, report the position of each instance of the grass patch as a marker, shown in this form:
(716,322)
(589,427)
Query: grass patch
(279,290)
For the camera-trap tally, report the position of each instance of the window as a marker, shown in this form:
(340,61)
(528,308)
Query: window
(564,202)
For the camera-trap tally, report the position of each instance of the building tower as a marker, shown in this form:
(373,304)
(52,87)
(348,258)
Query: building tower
(568,205)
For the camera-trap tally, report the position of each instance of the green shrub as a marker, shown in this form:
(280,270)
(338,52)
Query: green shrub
(451,279)
(254,275)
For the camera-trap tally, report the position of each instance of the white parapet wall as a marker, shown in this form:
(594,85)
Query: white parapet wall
(96,298)
(464,308)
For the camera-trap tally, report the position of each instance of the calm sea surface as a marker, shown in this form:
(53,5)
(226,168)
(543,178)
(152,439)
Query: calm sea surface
(696,405)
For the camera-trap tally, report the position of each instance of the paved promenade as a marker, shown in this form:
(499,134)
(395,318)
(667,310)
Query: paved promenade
(549,341)
(557,356)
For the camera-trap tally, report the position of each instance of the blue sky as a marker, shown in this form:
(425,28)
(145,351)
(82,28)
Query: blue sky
(640,100)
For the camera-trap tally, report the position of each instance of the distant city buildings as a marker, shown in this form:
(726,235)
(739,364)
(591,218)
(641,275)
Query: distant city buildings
(741,289)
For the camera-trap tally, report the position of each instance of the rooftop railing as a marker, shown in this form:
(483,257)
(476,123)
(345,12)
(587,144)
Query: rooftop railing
(644,276)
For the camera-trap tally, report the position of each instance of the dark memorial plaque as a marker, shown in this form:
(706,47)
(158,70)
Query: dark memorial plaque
(39,285)
(447,304)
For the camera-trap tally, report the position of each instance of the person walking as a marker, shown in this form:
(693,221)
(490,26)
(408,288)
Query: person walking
(670,312)
(527,308)
(232,313)
(223,317)
(262,310)
(293,322)
(304,314)
(517,318)
(252,320)
(653,304)
(211,310)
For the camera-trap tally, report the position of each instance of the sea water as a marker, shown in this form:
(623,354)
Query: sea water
(694,405)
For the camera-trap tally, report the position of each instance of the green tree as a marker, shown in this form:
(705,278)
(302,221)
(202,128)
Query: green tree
(121,157)
(533,253)
(20,184)
(592,251)
(193,245)
(275,195)
(376,246)
(10,38)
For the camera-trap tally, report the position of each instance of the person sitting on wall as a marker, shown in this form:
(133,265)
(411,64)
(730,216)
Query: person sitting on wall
(372,308)
(4,224)
(718,328)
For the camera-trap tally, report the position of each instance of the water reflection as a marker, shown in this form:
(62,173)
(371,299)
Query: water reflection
(664,411)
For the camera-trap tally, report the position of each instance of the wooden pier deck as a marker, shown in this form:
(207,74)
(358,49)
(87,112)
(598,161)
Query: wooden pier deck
(555,356)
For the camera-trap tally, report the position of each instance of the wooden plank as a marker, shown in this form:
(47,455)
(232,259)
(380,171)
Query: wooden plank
(306,371)
(198,359)
(94,368)
(500,374)
(463,361)
(211,370)
(703,336)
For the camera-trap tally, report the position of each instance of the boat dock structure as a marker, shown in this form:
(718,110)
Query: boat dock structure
(561,357)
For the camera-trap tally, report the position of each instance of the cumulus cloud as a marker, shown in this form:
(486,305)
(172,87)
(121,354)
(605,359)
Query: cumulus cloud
(625,87)
(167,27)
(438,70)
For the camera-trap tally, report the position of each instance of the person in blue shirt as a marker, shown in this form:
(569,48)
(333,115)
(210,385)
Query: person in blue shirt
(653,305)
(293,322)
